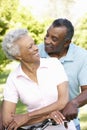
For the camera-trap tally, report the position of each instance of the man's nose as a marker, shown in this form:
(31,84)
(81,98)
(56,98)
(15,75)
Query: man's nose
(47,40)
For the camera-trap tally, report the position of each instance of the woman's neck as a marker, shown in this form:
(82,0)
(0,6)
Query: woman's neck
(30,70)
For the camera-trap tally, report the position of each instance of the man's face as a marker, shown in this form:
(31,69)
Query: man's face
(55,39)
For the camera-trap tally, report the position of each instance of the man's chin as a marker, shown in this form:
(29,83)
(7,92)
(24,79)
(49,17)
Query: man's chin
(48,50)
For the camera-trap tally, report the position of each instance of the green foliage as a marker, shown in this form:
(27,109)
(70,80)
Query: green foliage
(21,108)
(3,76)
(3,28)
(6,12)
(7,8)
(12,15)
(81,32)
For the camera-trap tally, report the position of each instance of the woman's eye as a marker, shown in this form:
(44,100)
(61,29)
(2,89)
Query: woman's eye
(29,47)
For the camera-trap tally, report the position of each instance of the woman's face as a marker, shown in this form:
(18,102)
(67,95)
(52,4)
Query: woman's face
(28,50)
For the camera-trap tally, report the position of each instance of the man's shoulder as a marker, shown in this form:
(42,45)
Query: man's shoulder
(77,49)
(42,51)
(41,45)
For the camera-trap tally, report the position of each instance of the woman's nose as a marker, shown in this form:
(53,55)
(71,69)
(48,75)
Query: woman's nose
(35,47)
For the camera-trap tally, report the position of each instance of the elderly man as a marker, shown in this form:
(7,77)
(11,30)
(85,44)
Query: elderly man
(57,43)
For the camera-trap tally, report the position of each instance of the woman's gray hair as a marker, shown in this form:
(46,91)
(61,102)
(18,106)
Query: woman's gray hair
(11,49)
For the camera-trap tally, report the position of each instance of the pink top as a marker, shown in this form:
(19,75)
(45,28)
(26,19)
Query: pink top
(35,96)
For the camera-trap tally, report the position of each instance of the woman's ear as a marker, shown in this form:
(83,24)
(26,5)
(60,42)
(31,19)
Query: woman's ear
(18,57)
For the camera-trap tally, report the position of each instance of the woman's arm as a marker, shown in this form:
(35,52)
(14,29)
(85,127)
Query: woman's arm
(63,97)
(8,111)
(23,119)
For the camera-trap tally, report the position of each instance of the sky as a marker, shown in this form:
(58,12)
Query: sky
(80,8)
(38,7)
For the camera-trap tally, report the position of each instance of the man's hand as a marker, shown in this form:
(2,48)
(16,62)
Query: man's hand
(70,111)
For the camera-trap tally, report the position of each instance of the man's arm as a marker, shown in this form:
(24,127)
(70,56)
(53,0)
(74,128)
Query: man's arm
(70,111)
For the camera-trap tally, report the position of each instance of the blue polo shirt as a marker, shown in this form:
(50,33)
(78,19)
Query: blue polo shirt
(75,64)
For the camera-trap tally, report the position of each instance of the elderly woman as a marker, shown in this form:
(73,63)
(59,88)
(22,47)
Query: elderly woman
(41,84)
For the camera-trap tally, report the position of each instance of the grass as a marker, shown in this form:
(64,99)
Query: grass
(83,117)
(22,108)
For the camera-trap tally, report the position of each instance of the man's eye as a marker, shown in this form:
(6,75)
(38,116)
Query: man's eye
(55,39)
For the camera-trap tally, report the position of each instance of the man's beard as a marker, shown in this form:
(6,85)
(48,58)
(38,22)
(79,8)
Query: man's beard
(58,50)
(55,52)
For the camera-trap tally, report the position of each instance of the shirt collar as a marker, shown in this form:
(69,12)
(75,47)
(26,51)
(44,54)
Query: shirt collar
(20,72)
(69,56)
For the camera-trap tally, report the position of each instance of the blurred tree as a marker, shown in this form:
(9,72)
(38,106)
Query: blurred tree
(7,8)
(24,18)
(12,15)
(81,32)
